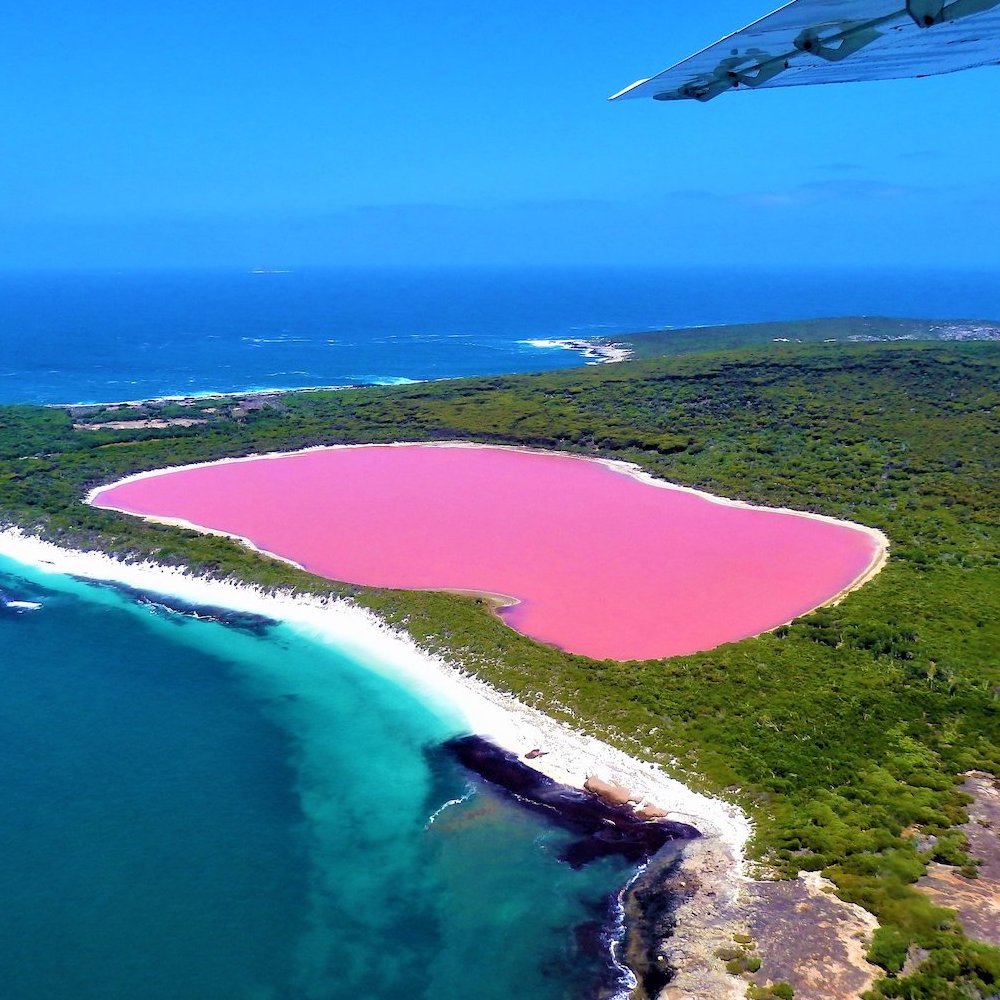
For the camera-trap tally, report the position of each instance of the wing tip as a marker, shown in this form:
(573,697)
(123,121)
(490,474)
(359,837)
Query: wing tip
(627,90)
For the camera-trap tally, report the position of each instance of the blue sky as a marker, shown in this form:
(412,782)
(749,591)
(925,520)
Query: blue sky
(463,133)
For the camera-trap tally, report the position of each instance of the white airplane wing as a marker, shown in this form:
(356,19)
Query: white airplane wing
(835,41)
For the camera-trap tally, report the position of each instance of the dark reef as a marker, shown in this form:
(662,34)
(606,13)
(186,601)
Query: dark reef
(245,620)
(601,829)
(650,916)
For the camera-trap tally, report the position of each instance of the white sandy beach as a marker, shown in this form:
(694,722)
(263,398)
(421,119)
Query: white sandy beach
(571,755)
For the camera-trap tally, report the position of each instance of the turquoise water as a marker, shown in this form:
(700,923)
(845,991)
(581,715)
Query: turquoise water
(192,809)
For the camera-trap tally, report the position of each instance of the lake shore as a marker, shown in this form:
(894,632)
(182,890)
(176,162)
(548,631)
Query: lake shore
(567,754)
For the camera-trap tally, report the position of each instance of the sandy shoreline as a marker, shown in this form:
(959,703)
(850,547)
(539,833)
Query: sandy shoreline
(570,755)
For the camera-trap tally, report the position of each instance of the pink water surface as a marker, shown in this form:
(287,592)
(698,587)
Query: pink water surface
(602,564)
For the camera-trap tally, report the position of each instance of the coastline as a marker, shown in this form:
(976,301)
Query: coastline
(594,351)
(597,352)
(570,756)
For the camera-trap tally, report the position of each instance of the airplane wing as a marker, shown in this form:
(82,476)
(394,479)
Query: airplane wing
(835,41)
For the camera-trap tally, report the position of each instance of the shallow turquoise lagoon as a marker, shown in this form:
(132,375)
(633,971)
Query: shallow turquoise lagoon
(203,810)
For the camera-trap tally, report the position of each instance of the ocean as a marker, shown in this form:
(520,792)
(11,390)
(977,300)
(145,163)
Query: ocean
(100,337)
(228,809)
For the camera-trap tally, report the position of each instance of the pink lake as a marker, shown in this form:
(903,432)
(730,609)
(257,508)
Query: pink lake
(600,562)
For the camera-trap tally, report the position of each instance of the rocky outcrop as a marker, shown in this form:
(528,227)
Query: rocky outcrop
(680,914)
(975,900)
(601,828)
(808,937)
(615,795)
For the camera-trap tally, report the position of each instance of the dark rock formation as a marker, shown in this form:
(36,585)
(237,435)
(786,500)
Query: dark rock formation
(602,828)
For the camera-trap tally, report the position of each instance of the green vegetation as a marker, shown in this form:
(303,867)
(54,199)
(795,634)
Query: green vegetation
(738,958)
(840,732)
(846,329)
(776,991)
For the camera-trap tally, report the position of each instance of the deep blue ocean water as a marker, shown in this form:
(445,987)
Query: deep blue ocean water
(104,336)
(194,810)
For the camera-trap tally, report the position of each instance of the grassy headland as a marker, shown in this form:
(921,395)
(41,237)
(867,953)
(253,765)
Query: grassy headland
(838,330)
(843,732)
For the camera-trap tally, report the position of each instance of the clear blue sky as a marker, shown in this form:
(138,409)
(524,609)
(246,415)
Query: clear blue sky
(454,132)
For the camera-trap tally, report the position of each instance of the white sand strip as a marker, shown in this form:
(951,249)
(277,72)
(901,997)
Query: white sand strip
(601,354)
(570,755)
